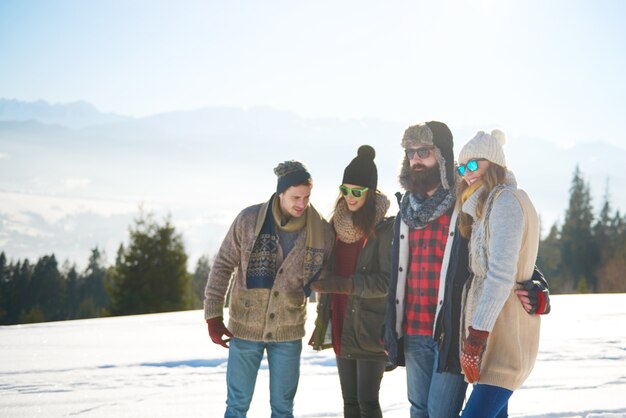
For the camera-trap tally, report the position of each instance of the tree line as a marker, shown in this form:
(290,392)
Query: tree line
(587,253)
(148,276)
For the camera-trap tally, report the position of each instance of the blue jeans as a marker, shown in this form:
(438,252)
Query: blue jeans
(244,360)
(487,401)
(431,394)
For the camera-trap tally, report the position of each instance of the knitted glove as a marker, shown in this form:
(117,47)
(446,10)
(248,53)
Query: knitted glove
(334,284)
(217,330)
(472,354)
(539,296)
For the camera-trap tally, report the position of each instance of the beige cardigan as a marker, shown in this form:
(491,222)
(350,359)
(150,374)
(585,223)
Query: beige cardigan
(513,341)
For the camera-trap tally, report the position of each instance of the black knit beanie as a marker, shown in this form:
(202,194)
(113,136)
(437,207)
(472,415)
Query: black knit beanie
(290,173)
(362,170)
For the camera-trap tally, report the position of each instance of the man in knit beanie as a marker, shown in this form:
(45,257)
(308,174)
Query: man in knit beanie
(429,268)
(269,257)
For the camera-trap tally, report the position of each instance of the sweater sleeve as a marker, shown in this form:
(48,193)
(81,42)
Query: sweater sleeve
(226,261)
(506,227)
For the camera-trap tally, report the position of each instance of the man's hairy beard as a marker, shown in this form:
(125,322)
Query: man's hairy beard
(419,182)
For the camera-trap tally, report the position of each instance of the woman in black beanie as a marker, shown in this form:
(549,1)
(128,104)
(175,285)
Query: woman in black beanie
(351,308)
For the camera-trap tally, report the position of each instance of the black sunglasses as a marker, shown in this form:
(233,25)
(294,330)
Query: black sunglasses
(422,152)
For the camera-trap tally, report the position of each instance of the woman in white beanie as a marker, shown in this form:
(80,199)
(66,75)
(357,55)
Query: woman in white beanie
(499,338)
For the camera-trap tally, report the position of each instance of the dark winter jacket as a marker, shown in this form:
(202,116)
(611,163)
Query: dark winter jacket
(454,273)
(365,313)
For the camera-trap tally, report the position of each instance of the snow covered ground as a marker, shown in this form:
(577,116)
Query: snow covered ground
(164,365)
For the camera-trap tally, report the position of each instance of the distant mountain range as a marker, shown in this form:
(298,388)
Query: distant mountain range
(72,177)
(73,115)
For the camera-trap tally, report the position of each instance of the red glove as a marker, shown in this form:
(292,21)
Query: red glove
(472,354)
(217,330)
(538,296)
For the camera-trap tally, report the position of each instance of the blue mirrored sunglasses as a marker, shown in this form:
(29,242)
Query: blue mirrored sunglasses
(471,165)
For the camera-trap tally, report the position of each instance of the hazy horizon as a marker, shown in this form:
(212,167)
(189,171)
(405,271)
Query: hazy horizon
(324,75)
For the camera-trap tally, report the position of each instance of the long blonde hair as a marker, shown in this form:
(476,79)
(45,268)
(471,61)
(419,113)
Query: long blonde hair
(494,175)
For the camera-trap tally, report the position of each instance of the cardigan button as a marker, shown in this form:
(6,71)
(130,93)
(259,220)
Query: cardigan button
(397,301)
(276,293)
(268,335)
(401,236)
(272,316)
(399,268)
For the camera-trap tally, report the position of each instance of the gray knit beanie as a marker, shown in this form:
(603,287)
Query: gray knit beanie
(290,173)
(487,146)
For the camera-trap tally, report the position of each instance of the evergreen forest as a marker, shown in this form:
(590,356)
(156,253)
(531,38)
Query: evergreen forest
(584,253)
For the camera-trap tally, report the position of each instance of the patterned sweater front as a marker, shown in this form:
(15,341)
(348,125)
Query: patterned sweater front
(272,315)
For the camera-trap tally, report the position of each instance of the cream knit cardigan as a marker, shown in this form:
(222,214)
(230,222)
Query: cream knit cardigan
(503,251)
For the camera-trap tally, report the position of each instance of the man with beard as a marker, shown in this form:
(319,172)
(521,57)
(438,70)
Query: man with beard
(428,271)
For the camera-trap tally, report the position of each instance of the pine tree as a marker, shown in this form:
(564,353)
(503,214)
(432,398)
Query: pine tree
(200,276)
(603,230)
(579,253)
(549,261)
(72,296)
(21,274)
(95,299)
(5,283)
(151,273)
(46,293)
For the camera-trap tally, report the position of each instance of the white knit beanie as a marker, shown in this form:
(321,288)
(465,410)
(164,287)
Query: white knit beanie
(487,146)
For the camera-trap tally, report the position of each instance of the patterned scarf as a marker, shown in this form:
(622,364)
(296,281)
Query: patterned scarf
(262,267)
(418,211)
(342,219)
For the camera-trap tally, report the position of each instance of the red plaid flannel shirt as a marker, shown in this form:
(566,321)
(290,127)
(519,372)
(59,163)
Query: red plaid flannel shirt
(426,247)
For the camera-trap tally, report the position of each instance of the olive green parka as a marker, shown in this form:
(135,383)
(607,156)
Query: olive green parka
(362,332)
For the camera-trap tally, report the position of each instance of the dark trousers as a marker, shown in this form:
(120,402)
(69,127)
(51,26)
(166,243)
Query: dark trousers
(360,383)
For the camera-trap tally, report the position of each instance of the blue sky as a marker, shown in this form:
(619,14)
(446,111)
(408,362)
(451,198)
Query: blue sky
(538,69)
(549,69)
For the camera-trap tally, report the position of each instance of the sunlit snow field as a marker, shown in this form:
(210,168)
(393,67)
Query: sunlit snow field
(164,365)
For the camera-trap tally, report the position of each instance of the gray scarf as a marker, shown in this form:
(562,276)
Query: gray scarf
(418,211)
